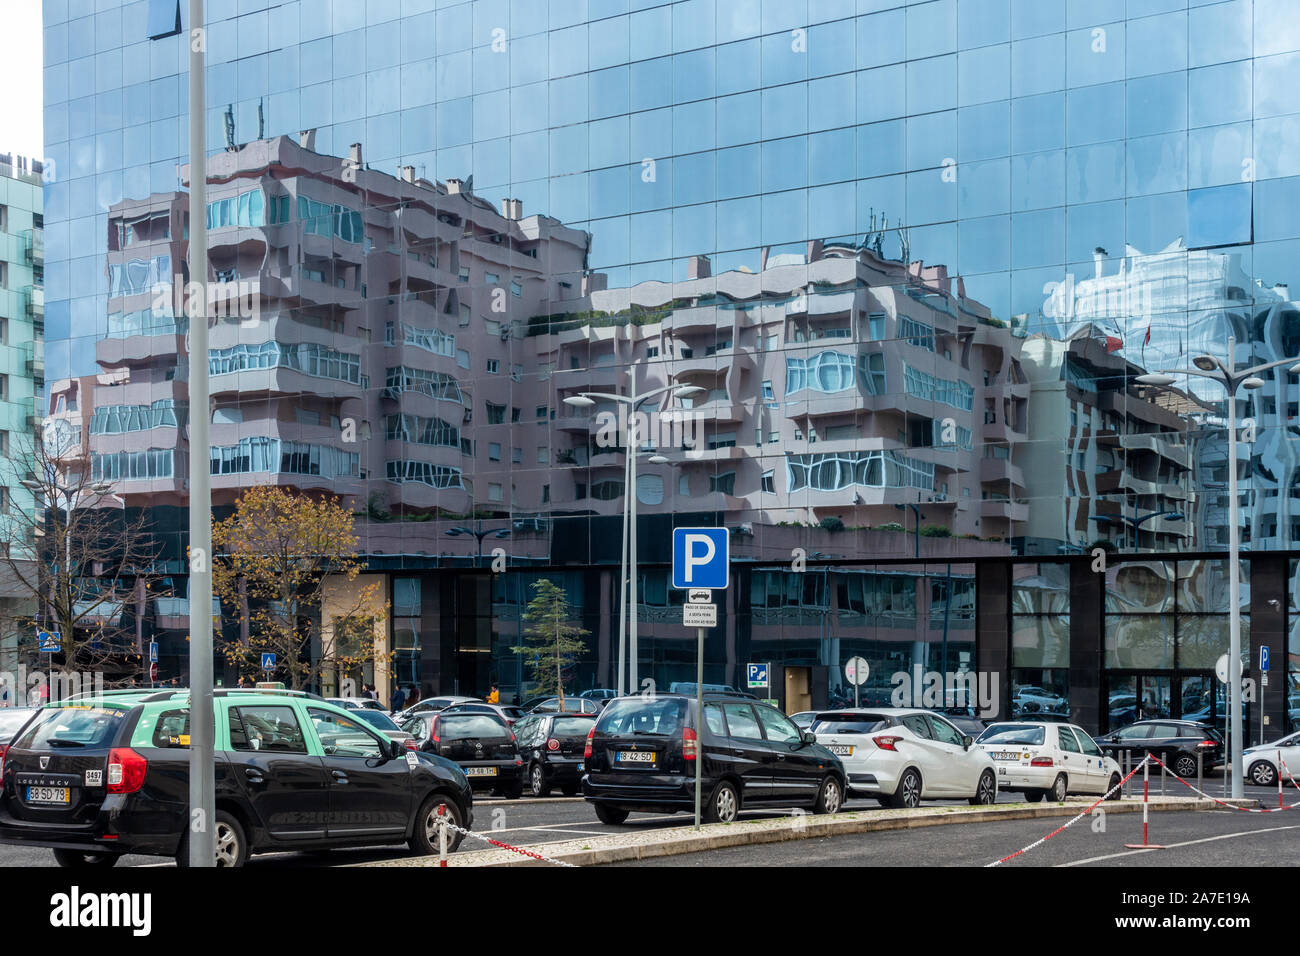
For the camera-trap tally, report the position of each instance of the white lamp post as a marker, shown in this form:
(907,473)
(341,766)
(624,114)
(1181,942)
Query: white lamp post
(1208,366)
(627,646)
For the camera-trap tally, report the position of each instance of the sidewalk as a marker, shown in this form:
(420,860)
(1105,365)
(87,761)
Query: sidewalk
(625,845)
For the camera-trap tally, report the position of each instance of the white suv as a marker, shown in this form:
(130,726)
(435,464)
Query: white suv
(1042,759)
(901,755)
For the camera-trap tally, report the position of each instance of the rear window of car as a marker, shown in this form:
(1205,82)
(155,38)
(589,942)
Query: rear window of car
(376,719)
(635,715)
(73,727)
(849,723)
(513,713)
(572,726)
(1026,734)
(471,725)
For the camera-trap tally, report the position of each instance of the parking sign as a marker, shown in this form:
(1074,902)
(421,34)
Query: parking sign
(1263,658)
(700,558)
(756,675)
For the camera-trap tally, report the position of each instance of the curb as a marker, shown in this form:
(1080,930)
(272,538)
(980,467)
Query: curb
(677,841)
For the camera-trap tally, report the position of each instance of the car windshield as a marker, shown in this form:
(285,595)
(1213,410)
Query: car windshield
(73,727)
(572,726)
(636,715)
(471,725)
(376,719)
(1026,734)
(849,723)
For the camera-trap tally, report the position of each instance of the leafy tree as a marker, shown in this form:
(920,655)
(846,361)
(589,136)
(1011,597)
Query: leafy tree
(282,560)
(554,643)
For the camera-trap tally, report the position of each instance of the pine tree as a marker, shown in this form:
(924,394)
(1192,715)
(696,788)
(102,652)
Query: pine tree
(553,642)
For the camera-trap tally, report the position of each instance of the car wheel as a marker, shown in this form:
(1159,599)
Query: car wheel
(1113,788)
(1060,789)
(424,839)
(1035,796)
(229,839)
(830,797)
(1185,765)
(723,805)
(537,781)
(610,815)
(908,794)
(986,792)
(1261,773)
(75,859)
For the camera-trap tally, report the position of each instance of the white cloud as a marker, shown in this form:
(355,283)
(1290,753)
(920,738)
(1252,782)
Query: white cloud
(21,46)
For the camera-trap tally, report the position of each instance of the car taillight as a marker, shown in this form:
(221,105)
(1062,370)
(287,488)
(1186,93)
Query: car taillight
(690,744)
(126,770)
(1207,743)
(1041,762)
(552,744)
(886,742)
(433,731)
(411,744)
(4,749)
(586,751)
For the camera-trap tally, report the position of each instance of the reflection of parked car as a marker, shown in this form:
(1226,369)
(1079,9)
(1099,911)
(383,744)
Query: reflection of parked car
(1029,699)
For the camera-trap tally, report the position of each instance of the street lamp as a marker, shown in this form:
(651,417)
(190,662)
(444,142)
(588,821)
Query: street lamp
(1215,369)
(627,646)
(479,534)
(1136,523)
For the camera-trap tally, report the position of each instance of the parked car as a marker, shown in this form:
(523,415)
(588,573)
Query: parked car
(1175,742)
(901,756)
(483,745)
(1044,758)
(964,719)
(358,703)
(552,746)
(507,712)
(641,756)
(431,705)
(1261,762)
(572,705)
(12,720)
(601,695)
(688,689)
(109,775)
(384,724)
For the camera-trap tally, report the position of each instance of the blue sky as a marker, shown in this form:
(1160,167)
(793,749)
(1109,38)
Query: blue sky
(20,51)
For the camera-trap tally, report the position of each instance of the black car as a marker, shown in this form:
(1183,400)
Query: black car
(641,756)
(551,746)
(482,744)
(965,719)
(1175,742)
(109,775)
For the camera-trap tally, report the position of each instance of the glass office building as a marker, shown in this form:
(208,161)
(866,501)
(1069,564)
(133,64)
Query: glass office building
(907,260)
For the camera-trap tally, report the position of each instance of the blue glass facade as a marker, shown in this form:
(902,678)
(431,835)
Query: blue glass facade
(947,237)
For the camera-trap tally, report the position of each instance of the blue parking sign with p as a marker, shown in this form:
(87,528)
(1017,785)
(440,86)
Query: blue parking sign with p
(700,558)
(1263,658)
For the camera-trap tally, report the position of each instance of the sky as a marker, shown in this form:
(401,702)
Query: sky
(20,51)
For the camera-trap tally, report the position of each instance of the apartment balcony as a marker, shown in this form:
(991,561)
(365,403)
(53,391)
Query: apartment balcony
(1005,510)
(568,420)
(831,303)
(1001,469)
(1124,480)
(142,342)
(1000,433)
(34,358)
(285,381)
(700,318)
(34,299)
(1159,443)
(34,245)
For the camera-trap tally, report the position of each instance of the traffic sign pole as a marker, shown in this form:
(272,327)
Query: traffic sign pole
(699,715)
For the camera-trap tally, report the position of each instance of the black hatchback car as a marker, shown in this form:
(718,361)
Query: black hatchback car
(1175,742)
(483,745)
(99,777)
(641,756)
(551,746)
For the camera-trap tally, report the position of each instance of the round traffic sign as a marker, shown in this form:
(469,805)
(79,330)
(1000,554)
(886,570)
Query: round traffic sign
(1221,668)
(857,670)
(153,671)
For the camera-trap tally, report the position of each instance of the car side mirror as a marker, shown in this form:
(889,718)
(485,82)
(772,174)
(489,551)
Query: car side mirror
(808,737)
(396,748)
(968,741)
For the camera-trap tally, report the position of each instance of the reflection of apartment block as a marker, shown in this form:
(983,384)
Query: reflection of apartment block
(1100,459)
(835,385)
(361,325)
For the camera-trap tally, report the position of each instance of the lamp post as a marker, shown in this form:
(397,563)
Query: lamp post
(479,534)
(627,647)
(1215,369)
(1136,523)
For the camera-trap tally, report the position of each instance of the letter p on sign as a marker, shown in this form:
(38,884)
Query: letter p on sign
(700,558)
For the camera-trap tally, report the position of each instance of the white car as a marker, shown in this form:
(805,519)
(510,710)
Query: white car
(1261,762)
(1046,759)
(903,755)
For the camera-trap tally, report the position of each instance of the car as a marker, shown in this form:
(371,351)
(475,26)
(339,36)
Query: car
(551,746)
(358,703)
(1042,758)
(384,724)
(1176,742)
(571,705)
(688,688)
(964,719)
(1261,762)
(600,695)
(12,720)
(483,745)
(902,755)
(431,705)
(804,718)
(507,712)
(102,776)
(641,756)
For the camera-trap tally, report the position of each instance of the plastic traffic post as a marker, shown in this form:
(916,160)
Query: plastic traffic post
(1279,778)
(1146,795)
(442,834)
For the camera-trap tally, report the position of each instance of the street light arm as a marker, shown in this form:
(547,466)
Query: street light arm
(1267,365)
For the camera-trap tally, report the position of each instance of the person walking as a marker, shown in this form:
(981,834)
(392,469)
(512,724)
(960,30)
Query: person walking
(399,700)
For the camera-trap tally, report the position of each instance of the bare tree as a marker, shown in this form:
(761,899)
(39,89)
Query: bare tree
(77,561)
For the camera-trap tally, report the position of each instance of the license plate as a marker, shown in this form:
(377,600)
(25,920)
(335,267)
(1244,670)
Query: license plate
(47,795)
(481,772)
(1006,756)
(841,750)
(580,768)
(634,756)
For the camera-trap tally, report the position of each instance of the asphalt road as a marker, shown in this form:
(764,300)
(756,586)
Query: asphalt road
(525,822)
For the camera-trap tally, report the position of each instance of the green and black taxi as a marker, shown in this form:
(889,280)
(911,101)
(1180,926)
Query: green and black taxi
(97,777)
